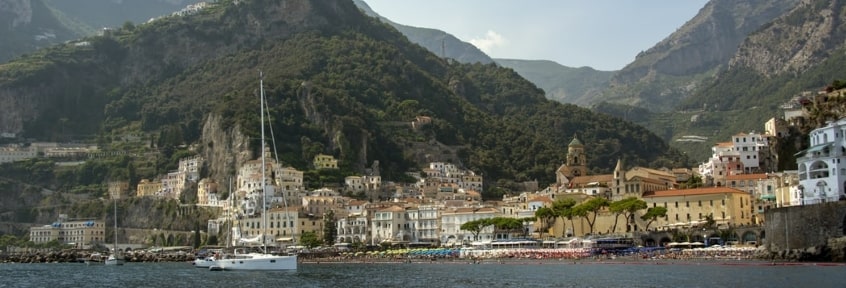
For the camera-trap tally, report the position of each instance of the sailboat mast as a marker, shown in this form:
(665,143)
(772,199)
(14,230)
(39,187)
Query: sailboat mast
(263,184)
(116,232)
(229,221)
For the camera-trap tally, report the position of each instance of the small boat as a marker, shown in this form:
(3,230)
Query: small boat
(94,259)
(204,262)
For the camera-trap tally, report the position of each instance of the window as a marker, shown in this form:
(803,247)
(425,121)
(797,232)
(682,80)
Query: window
(700,203)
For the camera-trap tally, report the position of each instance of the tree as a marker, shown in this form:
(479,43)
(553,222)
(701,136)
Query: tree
(329,231)
(630,206)
(693,182)
(197,239)
(709,221)
(590,209)
(310,239)
(545,214)
(653,214)
(475,227)
(564,208)
(506,224)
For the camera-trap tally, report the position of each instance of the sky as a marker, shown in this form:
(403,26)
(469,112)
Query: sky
(603,34)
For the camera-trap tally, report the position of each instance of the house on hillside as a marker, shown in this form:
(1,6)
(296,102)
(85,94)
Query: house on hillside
(822,167)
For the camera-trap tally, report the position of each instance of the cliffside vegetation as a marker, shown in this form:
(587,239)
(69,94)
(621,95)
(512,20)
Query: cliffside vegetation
(338,83)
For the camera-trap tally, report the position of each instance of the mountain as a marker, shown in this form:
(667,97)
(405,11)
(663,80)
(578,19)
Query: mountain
(113,13)
(439,42)
(561,83)
(801,51)
(35,24)
(29,25)
(677,66)
(338,82)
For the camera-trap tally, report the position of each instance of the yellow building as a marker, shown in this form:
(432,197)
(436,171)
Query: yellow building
(281,225)
(79,233)
(147,188)
(688,207)
(322,161)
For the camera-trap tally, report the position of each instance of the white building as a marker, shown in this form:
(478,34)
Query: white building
(451,221)
(390,225)
(16,153)
(822,169)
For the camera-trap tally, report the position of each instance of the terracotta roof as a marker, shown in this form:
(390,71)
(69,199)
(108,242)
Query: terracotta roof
(357,203)
(724,144)
(392,209)
(543,199)
(471,210)
(747,176)
(696,191)
(741,134)
(604,178)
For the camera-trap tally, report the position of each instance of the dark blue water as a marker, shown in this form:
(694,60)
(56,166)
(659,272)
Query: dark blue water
(548,274)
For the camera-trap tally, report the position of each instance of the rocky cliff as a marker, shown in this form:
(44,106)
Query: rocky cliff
(806,36)
(673,68)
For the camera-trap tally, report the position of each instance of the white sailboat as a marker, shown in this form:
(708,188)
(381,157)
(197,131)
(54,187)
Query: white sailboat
(261,260)
(115,258)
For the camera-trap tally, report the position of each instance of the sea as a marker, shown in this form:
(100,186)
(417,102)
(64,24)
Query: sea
(441,274)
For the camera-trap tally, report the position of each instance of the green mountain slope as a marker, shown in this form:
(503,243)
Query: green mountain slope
(561,83)
(30,25)
(338,82)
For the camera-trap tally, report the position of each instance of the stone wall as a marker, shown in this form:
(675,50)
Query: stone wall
(804,227)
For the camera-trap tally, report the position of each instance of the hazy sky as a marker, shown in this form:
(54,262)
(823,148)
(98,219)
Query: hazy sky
(603,34)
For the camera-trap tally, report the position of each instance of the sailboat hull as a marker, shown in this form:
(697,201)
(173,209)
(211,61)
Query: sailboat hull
(257,261)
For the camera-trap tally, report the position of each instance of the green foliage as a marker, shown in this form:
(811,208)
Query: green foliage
(476,226)
(589,209)
(627,207)
(652,214)
(329,231)
(331,86)
(309,239)
(545,215)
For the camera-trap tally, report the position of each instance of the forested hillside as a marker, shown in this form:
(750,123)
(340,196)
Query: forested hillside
(338,83)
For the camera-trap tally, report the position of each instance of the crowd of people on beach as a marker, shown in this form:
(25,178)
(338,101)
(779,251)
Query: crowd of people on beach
(453,254)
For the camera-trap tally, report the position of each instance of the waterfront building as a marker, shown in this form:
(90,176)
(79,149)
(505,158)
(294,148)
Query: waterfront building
(822,169)
(281,227)
(689,207)
(352,229)
(452,219)
(390,225)
(79,233)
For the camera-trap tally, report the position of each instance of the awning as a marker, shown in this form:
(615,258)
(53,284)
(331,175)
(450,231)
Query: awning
(768,197)
(812,149)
